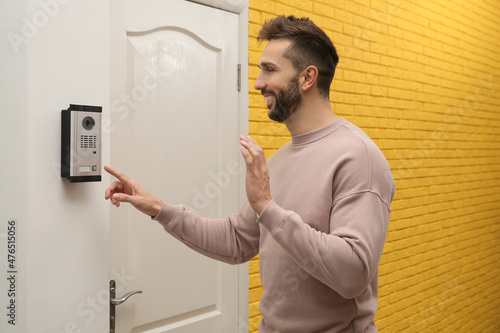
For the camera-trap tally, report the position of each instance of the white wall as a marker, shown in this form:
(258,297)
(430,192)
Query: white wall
(58,54)
(14,159)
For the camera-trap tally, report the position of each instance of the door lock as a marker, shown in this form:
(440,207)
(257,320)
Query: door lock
(116,301)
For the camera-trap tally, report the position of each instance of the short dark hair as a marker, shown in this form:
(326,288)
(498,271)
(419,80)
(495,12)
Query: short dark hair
(310,46)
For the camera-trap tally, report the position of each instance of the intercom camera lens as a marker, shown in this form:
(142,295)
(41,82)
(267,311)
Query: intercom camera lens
(88,123)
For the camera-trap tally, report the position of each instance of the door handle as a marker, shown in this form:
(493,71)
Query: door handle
(116,301)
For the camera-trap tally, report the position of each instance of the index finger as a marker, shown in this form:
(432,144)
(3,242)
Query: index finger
(121,176)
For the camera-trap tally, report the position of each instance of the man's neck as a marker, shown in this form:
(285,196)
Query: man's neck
(310,117)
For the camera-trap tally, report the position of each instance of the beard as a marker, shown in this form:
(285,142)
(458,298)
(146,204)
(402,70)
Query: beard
(286,101)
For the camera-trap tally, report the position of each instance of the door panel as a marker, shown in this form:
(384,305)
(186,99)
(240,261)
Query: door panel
(174,129)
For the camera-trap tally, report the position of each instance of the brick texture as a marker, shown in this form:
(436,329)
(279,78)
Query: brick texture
(422,78)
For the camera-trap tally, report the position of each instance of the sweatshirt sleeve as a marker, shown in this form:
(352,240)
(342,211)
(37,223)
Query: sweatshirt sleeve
(232,240)
(346,258)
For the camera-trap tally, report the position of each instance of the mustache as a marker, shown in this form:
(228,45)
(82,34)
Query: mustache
(266,91)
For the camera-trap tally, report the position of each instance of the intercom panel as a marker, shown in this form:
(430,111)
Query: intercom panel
(81,143)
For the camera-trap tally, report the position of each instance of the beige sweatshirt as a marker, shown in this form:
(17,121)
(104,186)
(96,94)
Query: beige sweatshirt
(319,240)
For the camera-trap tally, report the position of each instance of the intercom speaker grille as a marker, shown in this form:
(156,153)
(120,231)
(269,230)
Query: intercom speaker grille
(88,141)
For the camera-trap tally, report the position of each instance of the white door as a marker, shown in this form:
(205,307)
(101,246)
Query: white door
(174,128)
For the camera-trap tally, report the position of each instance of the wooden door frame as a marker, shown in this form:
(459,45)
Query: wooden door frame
(243,114)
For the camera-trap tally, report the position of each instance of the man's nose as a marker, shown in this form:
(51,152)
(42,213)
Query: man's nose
(259,84)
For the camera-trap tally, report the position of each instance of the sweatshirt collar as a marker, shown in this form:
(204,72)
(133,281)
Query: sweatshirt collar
(319,133)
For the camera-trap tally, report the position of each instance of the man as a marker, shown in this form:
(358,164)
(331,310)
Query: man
(317,211)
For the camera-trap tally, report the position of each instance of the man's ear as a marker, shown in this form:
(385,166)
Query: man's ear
(309,77)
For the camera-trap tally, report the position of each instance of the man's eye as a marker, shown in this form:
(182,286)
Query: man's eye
(269,70)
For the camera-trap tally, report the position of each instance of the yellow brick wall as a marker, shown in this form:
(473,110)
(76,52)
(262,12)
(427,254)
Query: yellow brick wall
(422,78)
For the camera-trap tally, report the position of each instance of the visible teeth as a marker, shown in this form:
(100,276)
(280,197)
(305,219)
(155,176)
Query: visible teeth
(269,98)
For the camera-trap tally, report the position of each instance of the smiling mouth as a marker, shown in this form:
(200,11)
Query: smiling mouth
(269,100)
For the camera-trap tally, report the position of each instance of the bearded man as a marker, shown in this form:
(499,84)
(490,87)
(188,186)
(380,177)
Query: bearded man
(318,210)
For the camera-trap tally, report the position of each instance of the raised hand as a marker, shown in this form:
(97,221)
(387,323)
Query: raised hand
(257,176)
